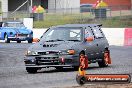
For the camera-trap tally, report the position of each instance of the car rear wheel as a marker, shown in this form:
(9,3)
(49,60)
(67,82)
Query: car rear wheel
(105,61)
(18,41)
(31,70)
(7,40)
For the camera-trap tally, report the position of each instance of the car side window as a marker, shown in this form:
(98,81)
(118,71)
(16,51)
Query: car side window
(75,34)
(97,32)
(88,33)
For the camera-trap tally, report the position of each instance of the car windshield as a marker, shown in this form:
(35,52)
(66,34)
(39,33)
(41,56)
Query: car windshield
(62,34)
(13,25)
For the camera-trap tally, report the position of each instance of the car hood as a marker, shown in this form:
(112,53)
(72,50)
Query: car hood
(20,30)
(54,46)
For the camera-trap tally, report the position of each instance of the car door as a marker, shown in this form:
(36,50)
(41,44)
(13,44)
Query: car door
(99,40)
(90,47)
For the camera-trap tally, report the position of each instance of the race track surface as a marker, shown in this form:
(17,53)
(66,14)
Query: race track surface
(14,75)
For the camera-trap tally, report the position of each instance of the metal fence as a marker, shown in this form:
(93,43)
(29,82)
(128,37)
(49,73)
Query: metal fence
(71,13)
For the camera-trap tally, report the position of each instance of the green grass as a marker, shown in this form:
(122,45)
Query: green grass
(53,19)
(112,22)
(116,22)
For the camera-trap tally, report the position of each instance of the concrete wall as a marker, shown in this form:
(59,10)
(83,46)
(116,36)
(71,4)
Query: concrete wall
(67,4)
(4,5)
(63,5)
(51,4)
(115,36)
(59,4)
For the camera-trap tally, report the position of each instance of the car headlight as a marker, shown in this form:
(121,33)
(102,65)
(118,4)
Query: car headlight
(28,35)
(31,53)
(70,52)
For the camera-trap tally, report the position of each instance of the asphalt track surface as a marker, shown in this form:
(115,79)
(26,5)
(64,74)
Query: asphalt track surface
(14,75)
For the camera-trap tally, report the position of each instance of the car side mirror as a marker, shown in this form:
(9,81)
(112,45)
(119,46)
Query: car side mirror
(89,39)
(36,40)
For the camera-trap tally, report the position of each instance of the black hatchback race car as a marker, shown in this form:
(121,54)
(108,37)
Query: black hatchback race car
(61,46)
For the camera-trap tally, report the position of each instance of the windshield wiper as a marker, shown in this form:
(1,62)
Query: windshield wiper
(54,40)
(74,40)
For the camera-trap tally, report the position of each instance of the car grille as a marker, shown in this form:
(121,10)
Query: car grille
(47,60)
(42,53)
(50,45)
(22,35)
(48,52)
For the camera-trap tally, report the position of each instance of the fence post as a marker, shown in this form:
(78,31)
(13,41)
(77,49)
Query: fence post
(109,9)
(120,11)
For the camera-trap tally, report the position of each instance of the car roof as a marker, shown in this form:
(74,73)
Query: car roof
(79,25)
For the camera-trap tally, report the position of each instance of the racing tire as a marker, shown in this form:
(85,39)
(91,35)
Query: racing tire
(18,41)
(7,40)
(81,80)
(31,70)
(104,62)
(30,40)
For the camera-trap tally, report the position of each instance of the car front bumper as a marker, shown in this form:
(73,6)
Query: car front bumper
(52,61)
(19,38)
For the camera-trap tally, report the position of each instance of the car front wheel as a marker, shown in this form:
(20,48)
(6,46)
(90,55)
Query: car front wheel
(7,40)
(31,70)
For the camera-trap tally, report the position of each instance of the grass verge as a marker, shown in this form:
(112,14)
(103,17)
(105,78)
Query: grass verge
(53,20)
